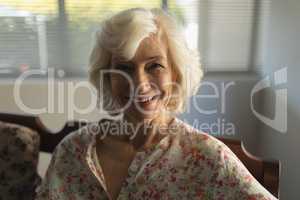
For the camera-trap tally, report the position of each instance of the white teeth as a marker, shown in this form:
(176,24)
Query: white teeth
(144,99)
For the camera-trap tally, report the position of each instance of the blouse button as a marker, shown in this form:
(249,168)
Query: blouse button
(133,167)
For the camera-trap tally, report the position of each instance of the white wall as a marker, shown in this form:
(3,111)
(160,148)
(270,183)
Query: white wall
(282,50)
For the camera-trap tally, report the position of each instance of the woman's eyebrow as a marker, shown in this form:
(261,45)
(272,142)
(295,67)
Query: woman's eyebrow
(158,57)
(127,63)
(131,64)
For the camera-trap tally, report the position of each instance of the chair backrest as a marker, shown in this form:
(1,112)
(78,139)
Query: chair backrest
(48,139)
(265,171)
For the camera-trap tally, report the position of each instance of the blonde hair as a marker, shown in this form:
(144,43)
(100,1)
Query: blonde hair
(121,35)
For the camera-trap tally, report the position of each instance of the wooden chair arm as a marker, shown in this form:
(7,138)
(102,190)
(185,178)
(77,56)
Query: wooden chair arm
(271,176)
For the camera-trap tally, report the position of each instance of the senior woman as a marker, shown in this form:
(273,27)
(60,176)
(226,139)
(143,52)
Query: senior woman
(144,72)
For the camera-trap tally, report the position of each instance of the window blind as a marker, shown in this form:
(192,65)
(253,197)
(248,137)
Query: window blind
(230,36)
(39,34)
(26,35)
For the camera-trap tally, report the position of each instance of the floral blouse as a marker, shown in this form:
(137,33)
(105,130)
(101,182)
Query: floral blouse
(185,164)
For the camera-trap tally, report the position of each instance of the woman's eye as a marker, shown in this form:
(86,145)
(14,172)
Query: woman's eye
(124,67)
(155,66)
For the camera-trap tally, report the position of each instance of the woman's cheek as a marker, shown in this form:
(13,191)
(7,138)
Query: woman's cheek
(120,84)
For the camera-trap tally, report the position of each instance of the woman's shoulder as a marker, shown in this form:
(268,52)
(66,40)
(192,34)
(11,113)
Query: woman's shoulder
(198,141)
(195,136)
(228,175)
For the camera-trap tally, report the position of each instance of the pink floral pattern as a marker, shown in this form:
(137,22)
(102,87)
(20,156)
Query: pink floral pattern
(186,164)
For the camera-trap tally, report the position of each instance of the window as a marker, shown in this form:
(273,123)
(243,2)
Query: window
(231,32)
(26,34)
(38,34)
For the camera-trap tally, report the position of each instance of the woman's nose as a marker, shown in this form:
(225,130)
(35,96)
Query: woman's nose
(141,83)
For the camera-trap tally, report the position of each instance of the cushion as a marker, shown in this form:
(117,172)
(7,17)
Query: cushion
(19,151)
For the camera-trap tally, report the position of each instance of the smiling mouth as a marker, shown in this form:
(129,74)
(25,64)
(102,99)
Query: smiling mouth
(145,99)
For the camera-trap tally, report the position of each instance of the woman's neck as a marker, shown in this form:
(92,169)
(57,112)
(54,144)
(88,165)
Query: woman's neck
(139,134)
(149,132)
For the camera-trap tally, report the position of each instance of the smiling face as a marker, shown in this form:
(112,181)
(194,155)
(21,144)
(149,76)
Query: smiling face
(149,88)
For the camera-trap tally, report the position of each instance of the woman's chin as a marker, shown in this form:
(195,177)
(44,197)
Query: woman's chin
(143,114)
